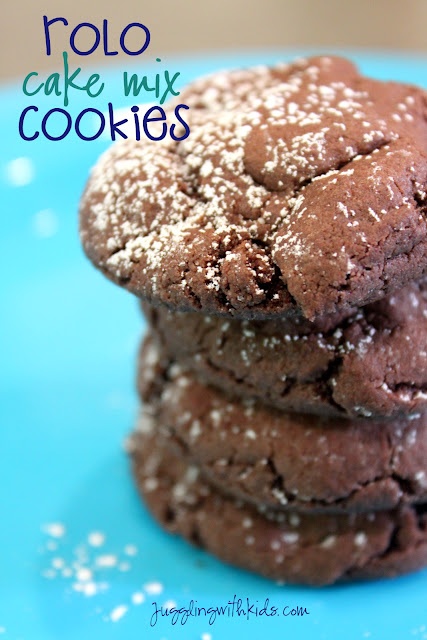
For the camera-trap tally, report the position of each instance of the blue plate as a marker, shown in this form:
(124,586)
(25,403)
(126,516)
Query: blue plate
(79,555)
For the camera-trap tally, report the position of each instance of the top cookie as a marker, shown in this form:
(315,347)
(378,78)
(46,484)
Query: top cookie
(300,188)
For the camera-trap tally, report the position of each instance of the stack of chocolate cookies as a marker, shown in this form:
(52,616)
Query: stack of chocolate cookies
(280,251)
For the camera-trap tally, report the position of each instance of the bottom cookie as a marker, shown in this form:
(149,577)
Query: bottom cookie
(297,548)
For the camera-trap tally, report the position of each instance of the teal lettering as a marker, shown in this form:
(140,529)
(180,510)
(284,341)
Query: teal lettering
(131,84)
(24,85)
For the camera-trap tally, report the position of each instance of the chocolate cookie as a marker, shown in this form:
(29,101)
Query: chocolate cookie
(285,461)
(373,364)
(300,188)
(299,548)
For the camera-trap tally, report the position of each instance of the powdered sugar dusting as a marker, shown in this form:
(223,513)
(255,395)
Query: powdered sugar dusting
(91,570)
(118,613)
(54,529)
(208,220)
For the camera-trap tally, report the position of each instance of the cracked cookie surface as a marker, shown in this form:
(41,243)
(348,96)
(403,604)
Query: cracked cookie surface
(300,189)
(298,548)
(284,461)
(371,364)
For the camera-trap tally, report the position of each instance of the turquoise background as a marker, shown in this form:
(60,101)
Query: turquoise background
(68,349)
